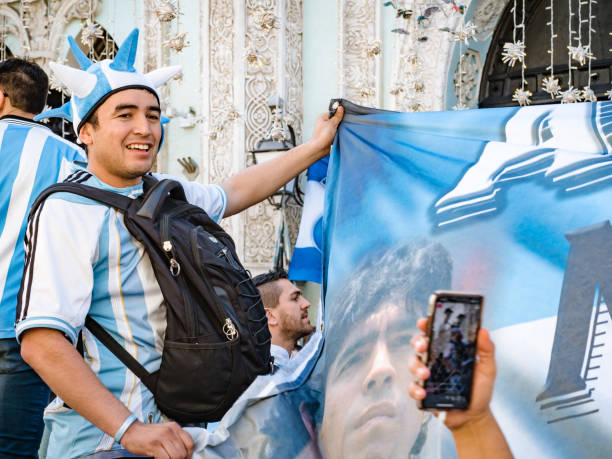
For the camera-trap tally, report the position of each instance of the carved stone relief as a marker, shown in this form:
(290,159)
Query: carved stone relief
(156,56)
(41,26)
(419,81)
(221,95)
(293,66)
(262,40)
(485,16)
(358,51)
(273,54)
(294,95)
(469,72)
(221,63)
(9,20)
(152,37)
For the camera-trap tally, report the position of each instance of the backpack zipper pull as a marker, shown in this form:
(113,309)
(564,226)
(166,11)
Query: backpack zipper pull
(175,267)
(228,258)
(229,329)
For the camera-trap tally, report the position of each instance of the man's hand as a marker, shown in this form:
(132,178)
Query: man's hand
(475,430)
(59,364)
(161,441)
(325,131)
(484,378)
(256,183)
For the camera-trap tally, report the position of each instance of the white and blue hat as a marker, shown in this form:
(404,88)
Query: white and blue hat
(96,82)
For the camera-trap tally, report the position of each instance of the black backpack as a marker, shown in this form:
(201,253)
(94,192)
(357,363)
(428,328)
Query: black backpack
(217,339)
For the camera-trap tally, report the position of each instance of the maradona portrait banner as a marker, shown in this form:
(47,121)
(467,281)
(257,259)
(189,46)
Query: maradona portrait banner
(512,203)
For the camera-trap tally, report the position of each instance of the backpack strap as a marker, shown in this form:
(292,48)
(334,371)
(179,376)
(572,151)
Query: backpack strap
(121,203)
(119,351)
(110,198)
(155,197)
(148,181)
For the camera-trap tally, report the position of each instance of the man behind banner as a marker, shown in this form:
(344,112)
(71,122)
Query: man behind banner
(84,262)
(287,312)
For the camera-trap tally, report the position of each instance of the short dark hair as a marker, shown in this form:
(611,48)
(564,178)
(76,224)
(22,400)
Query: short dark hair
(25,84)
(93,119)
(269,291)
(405,276)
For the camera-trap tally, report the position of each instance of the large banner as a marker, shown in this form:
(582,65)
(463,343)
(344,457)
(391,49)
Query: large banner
(512,203)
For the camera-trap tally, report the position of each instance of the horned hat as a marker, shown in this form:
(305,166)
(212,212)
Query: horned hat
(96,81)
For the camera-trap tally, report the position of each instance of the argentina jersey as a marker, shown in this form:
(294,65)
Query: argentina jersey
(82,260)
(32,159)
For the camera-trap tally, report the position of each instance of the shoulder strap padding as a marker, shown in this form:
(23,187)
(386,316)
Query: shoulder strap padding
(154,199)
(109,198)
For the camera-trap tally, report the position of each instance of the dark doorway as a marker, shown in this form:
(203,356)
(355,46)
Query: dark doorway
(499,81)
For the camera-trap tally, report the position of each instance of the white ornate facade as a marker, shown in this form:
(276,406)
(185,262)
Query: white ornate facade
(359,48)
(239,54)
(247,52)
(425,53)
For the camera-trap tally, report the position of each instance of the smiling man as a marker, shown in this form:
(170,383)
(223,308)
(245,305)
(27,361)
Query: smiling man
(82,261)
(122,137)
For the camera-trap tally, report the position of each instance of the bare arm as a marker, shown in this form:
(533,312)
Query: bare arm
(475,430)
(256,183)
(58,363)
(481,438)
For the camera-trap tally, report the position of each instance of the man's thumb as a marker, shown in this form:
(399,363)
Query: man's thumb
(486,349)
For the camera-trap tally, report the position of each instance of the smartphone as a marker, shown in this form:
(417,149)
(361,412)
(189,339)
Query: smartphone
(452,328)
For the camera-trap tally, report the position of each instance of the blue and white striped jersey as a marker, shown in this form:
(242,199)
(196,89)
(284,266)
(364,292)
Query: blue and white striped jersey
(32,159)
(82,260)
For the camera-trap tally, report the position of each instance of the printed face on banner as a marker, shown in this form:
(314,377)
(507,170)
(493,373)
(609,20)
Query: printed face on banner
(368,411)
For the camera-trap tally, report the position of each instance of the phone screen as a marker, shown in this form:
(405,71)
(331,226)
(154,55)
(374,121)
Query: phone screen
(454,326)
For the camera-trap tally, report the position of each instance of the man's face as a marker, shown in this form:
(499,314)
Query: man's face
(292,311)
(368,412)
(123,145)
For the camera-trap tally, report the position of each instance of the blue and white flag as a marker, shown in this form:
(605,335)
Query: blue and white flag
(512,203)
(306,261)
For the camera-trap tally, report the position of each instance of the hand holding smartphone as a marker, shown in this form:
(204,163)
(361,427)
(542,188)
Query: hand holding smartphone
(485,439)
(452,328)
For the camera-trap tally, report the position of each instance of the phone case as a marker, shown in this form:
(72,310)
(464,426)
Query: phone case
(433,300)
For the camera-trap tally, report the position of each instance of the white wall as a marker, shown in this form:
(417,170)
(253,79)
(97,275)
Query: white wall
(319,59)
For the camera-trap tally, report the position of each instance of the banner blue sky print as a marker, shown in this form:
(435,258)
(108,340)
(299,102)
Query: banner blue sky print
(518,198)
(569,144)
